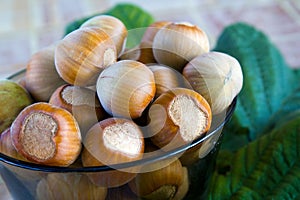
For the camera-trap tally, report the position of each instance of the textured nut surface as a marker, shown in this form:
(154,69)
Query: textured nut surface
(46,134)
(178,117)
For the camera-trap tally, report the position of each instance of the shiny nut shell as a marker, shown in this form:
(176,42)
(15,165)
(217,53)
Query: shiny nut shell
(178,117)
(46,134)
(126,88)
(113,27)
(176,44)
(41,76)
(217,77)
(82,54)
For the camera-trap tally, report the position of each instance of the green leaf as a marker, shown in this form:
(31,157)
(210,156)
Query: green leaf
(297,75)
(72,26)
(267,78)
(268,168)
(290,109)
(234,137)
(131,15)
(134,18)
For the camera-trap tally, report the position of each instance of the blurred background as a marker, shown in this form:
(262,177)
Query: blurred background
(28,25)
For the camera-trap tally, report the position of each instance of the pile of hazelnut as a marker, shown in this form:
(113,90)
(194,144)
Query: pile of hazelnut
(97,103)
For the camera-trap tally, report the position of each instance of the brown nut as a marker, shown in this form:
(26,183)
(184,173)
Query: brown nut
(183,189)
(126,88)
(82,102)
(113,27)
(146,51)
(7,148)
(46,134)
(123,192)
(82,54)
(41,76)
(143,52)
(151,31)
(217,77)
(201,150)
(167,78)
(159,184)
(28,177)
(69,186)
(178,117)
(113,141)
(176,44)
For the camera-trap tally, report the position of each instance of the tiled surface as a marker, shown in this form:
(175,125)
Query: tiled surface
(28,25)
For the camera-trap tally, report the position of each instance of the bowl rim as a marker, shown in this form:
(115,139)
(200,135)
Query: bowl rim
(143,161)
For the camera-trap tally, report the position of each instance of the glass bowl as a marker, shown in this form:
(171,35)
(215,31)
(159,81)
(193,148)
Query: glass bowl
(26,180)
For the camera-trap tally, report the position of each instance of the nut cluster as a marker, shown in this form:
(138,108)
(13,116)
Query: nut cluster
(98,103)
